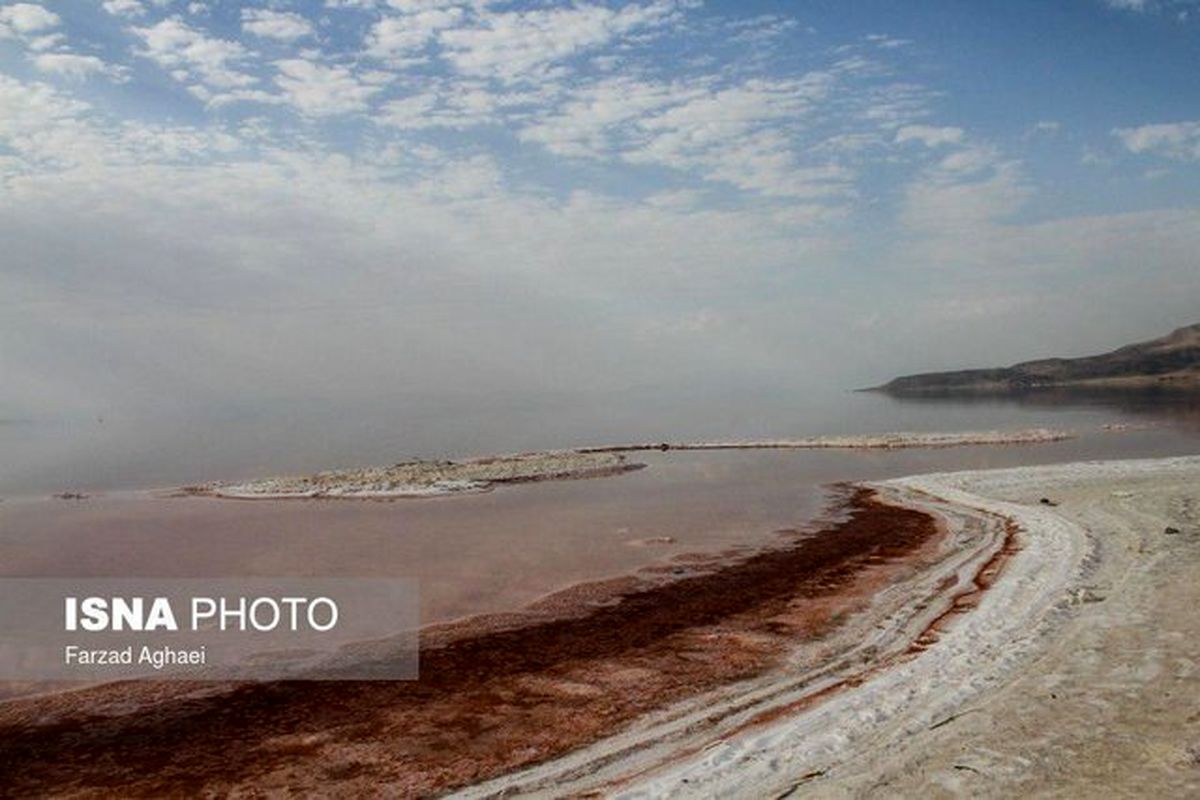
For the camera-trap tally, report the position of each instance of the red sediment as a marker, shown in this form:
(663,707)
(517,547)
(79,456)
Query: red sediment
(960,603)
(495,694)
(968,598)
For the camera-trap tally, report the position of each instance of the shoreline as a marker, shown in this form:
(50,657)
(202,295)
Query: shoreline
(427,479)
(606,653)
(869,441)
(909,727)
(736,675)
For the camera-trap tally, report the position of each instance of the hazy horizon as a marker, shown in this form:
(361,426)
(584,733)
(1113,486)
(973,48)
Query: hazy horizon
(226,209)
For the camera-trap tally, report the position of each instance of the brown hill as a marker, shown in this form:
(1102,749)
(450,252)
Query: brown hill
(1173,360)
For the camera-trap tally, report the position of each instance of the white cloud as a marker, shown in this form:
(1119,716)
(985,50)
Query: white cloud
(893,106)
(1177,140)
(29,24)
(521,45)
(590,121)
(675,199)
(40,44)
(928,135)
(189,54)
(734,134)
(762,29)
(956,208)
(52,133)
(946,207)
(414,111)
(731,111)
(30,109)
(968,162)
(1180,9)
(285,26)
(400,36)
(69,65)
(25,18)
(124,8)
(457,106)
(232,96)
(318,90)
(416,6)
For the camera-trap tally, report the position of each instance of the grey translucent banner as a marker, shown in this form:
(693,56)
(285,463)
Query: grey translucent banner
(99,629)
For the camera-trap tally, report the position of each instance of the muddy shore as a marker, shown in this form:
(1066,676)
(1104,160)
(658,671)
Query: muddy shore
(1073,675)
(945,634)
(496,693)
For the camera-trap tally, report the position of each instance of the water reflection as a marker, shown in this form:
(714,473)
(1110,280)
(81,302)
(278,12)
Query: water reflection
(1172,405)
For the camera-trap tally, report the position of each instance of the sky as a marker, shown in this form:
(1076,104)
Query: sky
(227,206)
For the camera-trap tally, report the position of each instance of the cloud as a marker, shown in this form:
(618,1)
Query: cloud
(25,18)
(400,36)
(29,111)
(75,67)
(1175,140)
(416,6)
(738,134)
(281,25)
(191,55)
(590,122)
(226,250)
(124,8)
(954,207)
(928,135)
(317,90)
(520,45)
(1180,9)
(526,197)
(459,106)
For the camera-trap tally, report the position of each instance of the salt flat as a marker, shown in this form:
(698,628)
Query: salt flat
(1076,675)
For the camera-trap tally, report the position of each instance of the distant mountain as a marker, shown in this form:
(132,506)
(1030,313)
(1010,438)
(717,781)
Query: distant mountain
(1173,360)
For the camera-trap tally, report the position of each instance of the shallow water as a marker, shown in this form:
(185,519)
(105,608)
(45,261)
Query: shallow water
(501,550)
(128,452)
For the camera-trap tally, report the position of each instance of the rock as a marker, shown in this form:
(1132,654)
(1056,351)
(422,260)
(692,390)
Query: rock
(1169,530)
(1087,594)
(652,540)
(1046,501)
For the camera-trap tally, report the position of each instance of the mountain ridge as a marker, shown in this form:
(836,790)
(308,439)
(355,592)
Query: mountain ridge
(1172,360)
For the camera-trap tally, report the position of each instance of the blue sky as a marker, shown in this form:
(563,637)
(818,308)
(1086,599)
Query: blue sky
(218,203)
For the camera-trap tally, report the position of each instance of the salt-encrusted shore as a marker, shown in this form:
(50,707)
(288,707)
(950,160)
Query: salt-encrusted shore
(869,441)
(1075,673)
(1005,633)
(424,478)
(412,479)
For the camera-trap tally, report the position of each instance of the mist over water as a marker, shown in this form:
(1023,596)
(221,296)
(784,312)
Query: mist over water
(116,451)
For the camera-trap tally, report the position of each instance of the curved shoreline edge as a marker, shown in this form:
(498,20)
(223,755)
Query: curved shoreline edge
(885,717)
(717,684)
